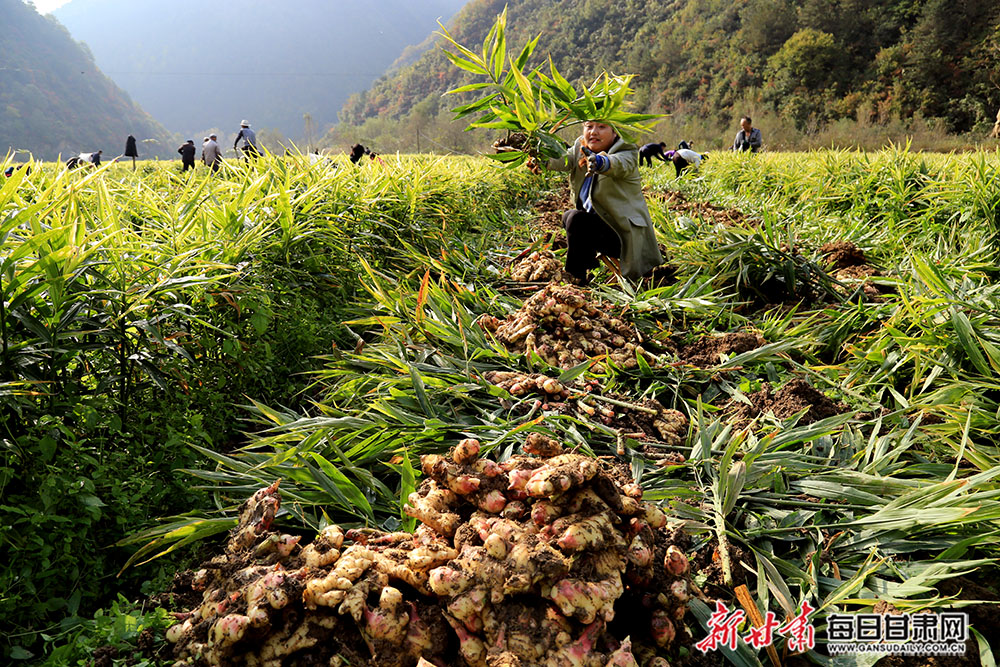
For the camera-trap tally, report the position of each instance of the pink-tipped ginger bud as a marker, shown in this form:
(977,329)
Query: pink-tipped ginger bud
(465,451)
(675,562)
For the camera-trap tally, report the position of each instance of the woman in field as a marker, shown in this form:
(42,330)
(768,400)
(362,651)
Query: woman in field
(611,217)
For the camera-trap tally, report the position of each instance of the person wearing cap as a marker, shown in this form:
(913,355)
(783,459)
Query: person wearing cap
(211,154)
(249,138)
(187,151)
(611,217)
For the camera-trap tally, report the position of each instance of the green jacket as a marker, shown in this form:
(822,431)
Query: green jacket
(618,199)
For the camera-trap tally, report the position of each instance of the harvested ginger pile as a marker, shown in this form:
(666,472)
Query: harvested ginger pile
(548,558)
(562,327)
(539,266)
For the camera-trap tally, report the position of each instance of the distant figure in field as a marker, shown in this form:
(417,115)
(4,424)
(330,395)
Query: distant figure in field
(685,157)
(357,152)
(131,150)
(95,158)
(650,151)
(748,138)
(211,154)
(249,138)
(10,170)
(187,151)
(318,158)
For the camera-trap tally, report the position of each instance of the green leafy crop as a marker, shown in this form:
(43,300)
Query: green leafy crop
(534,103)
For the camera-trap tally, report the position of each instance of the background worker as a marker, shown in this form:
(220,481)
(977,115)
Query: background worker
(187,151)
(685,157)
(211,153)
(748,138)
(131,150)
(358,151)
(611,217)
(650,151)
(249,138)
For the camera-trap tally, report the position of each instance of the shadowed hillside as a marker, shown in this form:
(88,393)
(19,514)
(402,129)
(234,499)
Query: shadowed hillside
(54,99)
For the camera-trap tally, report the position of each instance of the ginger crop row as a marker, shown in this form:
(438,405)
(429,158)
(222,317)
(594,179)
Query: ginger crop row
(542,559)
(563,329)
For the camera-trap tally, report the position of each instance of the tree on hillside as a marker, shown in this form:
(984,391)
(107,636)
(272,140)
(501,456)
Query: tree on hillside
(766,24)
(804,76)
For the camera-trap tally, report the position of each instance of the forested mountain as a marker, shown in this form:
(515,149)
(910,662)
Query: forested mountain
(808,61)
(54,99)
(200,64)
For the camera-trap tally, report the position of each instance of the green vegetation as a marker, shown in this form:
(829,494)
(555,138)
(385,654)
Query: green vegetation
(811,72)
(141,309)
(54,100)
(155,305)
(535,105)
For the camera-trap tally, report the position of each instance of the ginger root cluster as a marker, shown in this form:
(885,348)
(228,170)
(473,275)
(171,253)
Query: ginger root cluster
(539,266)
(562,327)
(548,558)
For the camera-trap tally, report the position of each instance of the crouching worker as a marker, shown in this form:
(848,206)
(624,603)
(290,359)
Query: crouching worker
(611,217)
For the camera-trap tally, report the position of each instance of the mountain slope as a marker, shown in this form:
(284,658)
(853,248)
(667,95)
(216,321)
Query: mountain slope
(199,64)
(810,61)
(54,99)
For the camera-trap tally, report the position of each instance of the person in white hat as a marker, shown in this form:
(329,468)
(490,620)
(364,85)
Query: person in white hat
(249,138)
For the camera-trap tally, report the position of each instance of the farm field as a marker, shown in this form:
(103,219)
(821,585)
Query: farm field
(807,390)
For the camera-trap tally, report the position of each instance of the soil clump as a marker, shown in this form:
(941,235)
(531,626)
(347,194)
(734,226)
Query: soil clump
(793,397)
(679,203)
(707,351)
(842,254)
(849,265)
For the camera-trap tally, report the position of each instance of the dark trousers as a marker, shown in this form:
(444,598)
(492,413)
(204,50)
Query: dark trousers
(588,236)
(187,164)
(647,158)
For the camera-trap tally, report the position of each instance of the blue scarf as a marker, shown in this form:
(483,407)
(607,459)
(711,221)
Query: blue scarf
(586,192)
